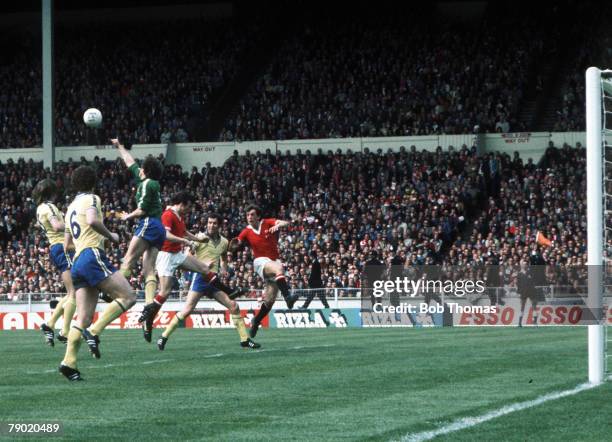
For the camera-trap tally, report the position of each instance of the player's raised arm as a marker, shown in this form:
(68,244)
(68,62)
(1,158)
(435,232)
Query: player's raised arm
(173,238)
(278,225)
(195,238)
(125,155)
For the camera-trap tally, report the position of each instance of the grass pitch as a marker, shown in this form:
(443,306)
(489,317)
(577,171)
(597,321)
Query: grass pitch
(353,384)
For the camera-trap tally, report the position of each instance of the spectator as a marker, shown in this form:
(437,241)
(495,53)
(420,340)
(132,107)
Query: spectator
(315,284)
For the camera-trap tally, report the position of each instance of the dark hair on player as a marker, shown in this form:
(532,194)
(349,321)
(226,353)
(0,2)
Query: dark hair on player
(182,197)
(83,179)
(45,190)
(254,207)
(214,215)
(153,168)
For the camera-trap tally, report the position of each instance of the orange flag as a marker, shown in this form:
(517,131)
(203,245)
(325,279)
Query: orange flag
(542,240)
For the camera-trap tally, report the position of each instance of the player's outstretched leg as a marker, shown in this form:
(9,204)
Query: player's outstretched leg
(141,247)
(281,282)
(176,322)
(269,296)
(119,289)
(238,292)
(49,334)
(265,308)
(263,312)
(68,365)
(211,278)
(57,312)
(87,298)
(69,307)
(72,374)
(245,340)
(105,297)
(274,270)
(161,343)
(194,295)
(283,286)
(135,250)
(150,310)
(147,317)
(93,342)
(237,319)
(47,328)
(148,270)
(249,343)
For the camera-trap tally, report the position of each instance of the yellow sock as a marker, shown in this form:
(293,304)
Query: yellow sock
(126,272)
(240,327)
(72,347)
(110,313)
(59,309)
(172,326)
(150,288)
(69,309)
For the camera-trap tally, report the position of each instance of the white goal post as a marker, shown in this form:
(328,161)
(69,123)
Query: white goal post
(595,119)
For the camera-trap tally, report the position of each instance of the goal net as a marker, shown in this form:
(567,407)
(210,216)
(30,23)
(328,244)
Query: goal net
(599,214)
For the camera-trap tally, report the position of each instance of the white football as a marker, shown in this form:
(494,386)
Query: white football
(92,117)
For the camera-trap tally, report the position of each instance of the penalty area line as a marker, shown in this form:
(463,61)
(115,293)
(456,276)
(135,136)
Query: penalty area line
(468,422)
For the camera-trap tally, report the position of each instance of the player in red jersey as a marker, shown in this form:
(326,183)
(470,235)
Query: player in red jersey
(171,257)
(261,235)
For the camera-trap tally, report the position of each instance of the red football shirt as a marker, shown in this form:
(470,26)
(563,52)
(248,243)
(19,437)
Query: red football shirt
(261,241)
(175,225)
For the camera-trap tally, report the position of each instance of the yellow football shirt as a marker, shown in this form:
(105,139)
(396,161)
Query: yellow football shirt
(211,252)
(83,235)
(44,213)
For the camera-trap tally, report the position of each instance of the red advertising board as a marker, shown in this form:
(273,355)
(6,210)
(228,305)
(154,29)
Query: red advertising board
(198,319)
(544,314)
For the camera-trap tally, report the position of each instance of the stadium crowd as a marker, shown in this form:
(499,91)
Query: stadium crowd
(353,78)
(147,89)
(526,199)
(570,116)
(338,76)
(408,205)
(591,46)
(20,97)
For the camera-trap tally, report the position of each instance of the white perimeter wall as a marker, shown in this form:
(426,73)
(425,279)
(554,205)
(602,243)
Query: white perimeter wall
(527,144)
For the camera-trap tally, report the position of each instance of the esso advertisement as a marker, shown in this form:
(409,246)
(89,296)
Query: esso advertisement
(539,316)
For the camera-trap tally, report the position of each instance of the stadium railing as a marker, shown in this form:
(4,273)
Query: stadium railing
(331,294)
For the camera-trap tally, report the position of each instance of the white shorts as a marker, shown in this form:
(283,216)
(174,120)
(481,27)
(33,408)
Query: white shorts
(167,263)
(259,265)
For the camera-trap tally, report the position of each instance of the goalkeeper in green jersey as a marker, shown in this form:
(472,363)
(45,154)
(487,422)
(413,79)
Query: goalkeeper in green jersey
(150,233)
